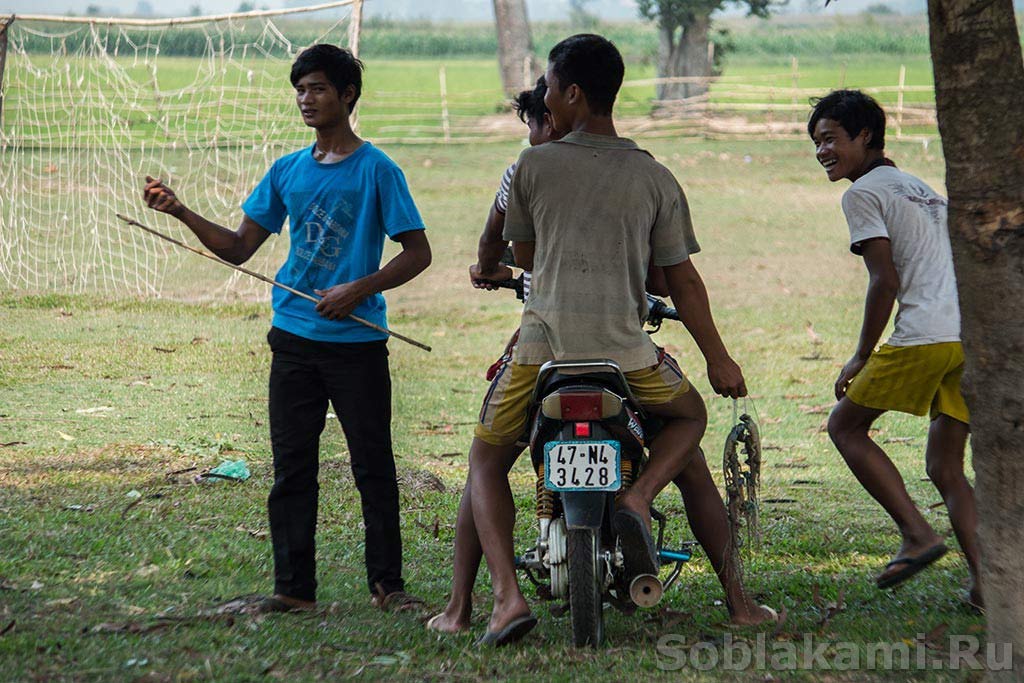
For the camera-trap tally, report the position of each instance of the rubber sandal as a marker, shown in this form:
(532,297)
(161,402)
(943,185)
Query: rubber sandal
(513,632)
(638,549)
(398,601)
(910,566)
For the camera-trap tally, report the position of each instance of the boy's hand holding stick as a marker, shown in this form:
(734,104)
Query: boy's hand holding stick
(264,278)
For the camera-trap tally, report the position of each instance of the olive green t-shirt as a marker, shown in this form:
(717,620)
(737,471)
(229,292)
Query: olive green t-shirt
(599,209)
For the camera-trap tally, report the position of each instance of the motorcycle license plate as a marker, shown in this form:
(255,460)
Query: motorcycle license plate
(582,466)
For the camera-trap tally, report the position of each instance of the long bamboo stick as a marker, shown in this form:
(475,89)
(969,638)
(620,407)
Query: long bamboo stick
(264,278)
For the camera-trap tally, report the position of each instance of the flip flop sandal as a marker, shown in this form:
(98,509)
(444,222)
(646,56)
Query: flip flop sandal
(513,632)
(970,605)
(638,549)
(399,601)
(258,604)
(910,566)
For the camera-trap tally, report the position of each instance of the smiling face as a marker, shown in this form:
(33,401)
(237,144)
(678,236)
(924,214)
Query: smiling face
(319,102)
(841,156)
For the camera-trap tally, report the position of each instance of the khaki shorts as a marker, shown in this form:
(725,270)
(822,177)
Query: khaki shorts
(507,403)
(913,379)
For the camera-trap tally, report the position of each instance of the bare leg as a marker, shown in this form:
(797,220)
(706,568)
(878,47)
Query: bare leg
(678,440)
(710,524)
(465,563)
(944,458)
(848,426)
(494,515)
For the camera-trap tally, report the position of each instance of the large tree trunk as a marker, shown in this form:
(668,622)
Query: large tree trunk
(519,68)
(684,54)
(979,93)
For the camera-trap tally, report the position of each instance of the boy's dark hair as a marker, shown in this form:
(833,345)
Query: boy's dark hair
(594,64)
(341,68)
(854,111)
(529,104)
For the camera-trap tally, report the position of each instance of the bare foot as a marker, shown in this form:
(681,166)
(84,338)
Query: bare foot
(448,623)
(753,617)
(505,614)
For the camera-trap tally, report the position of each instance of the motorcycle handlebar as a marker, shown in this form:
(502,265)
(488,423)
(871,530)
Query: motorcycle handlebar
(658,310)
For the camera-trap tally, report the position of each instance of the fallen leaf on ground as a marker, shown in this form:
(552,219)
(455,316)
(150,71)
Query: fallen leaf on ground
(90,411)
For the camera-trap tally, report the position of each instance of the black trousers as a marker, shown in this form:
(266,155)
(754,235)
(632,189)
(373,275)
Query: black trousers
(304,376)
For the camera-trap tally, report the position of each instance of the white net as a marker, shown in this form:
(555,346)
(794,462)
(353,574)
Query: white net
(89,109)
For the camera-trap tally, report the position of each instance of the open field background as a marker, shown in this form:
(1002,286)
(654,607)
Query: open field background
(101,396)
(123,363)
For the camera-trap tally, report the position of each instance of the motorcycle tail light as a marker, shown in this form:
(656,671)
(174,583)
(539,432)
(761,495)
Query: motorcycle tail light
(582,430)
(581,406)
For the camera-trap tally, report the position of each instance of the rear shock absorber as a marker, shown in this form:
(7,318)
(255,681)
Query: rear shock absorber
(627,477)
(545,497)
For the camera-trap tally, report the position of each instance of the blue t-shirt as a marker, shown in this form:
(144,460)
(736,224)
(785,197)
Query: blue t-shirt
(338,215)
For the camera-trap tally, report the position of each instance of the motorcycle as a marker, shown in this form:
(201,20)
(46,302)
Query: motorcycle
(587,439)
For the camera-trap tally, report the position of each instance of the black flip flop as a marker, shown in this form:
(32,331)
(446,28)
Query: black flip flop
(638,551)
(911,566)
(513,632)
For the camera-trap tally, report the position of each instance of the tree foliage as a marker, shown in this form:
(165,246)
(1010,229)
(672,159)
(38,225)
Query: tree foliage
(682,13)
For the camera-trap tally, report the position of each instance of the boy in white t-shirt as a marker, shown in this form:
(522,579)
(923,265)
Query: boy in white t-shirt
(898,225)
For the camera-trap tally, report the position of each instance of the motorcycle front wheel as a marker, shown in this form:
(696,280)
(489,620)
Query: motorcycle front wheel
(586,587)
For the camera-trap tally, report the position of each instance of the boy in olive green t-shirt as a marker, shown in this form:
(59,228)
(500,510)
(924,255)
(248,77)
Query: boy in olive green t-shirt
(588,215)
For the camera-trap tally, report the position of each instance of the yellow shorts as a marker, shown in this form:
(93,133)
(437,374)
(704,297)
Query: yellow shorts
(507,403)
(913,379)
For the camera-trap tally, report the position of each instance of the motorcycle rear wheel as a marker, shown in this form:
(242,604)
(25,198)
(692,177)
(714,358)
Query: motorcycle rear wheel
(586,587)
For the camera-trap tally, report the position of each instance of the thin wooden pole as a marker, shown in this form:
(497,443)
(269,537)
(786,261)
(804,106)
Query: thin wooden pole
(899,102)
(446,125)
(355,23)
(177,21)
(5,24)
(264,278)
(355,27)
(528,72)
(795,99)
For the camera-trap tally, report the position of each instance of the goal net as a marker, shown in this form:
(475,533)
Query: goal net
(91,106)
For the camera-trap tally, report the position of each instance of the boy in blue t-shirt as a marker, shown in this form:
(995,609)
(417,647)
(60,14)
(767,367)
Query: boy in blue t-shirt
(341,197)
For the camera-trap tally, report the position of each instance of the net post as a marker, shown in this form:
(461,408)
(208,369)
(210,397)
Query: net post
(5,23)
(355,21)
(355,27)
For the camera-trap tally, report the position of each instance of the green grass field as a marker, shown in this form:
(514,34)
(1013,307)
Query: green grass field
(101,396)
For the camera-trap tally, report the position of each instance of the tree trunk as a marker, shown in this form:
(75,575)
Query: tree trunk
(685,56)
(979,94)
(516,61)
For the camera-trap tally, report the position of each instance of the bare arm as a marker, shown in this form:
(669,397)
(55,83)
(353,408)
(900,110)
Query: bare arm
(690,298)
(234,246)
(883,284)
(491,248)
(523,251)
(340,300)
(656,283)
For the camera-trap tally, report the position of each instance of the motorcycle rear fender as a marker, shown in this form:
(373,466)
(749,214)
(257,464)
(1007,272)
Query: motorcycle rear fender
(584,509)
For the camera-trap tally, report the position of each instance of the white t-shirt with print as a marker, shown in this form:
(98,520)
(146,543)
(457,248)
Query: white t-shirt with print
(886,202)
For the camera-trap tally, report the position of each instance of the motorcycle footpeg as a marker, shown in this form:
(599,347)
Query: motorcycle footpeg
(646,590)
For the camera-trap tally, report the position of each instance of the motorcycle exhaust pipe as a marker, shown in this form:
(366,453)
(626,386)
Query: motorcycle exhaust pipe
(646,590)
